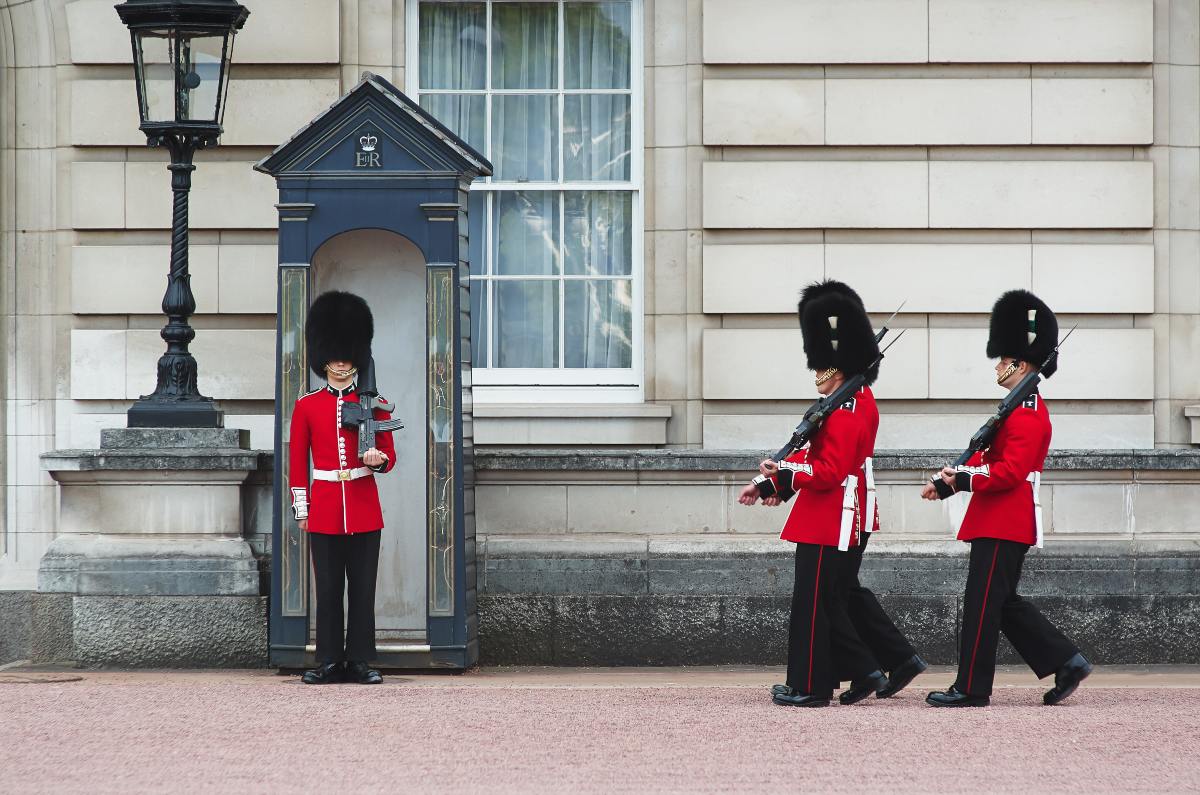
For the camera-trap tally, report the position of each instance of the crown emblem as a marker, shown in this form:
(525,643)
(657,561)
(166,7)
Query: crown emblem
(368,142)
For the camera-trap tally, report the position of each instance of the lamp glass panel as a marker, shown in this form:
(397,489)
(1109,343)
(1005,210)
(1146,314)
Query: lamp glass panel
(200,65)
(155,75)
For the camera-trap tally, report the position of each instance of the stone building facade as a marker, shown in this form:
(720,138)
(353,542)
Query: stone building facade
(702,159)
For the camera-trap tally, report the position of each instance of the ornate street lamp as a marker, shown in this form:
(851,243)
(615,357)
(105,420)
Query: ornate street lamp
(181,54)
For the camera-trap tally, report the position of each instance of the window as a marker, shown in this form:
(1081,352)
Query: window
(549,91)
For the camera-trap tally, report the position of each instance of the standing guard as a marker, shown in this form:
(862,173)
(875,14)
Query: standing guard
(341,512)
(822,641)
(1004,516)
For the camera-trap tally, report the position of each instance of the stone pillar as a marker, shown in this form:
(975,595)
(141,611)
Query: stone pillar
(150,567)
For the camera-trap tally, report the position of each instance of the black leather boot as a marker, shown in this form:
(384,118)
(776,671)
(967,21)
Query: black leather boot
(324,674)
(953,697)
(797,698)
(871,683)
(1066,679)
(363,674)
(901,676)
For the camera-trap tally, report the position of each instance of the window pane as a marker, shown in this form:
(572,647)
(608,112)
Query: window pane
(526,326)
(599,233)
(453,45)
(599,323)
(597,45)
(476,226)
(479,324)
(596,136)
(525,137)
(524,45)
(525,234)
(462,113)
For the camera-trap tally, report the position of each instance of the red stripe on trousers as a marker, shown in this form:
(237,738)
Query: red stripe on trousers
(979,632)
(812,633)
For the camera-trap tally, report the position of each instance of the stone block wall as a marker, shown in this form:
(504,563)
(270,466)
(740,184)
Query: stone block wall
(941,151)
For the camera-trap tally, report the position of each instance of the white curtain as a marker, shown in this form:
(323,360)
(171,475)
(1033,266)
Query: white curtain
(526,241)
(453,46)
(598,312)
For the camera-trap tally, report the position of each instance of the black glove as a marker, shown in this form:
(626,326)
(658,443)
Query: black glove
(943,488)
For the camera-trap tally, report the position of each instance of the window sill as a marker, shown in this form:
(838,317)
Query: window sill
(553,424)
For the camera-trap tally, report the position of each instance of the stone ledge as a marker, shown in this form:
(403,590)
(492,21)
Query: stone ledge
(145,459)
(1193,415)
(158,438)
(501,459)
(742,460)
(97,565)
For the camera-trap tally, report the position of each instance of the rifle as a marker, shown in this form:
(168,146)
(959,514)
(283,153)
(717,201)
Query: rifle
(819,411)
(1016,396)
(361,415)
(987,432)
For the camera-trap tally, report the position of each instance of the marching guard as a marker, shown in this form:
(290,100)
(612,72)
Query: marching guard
(896,655)
(822,642)
(1003,519)
(341,511)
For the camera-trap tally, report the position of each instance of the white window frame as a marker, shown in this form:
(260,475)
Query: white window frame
(562,384)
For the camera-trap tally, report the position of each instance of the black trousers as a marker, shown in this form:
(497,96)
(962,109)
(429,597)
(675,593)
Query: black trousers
(338,561)
(992,605)
(822,642)
(874,626)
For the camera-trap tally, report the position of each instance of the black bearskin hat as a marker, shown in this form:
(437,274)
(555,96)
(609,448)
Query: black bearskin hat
(339,327)
(848,342)
(1024,328)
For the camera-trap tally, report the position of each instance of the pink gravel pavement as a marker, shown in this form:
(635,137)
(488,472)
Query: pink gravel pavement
(563,732)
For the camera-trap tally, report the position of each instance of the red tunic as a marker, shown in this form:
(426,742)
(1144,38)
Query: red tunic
(347,506)
(1002,504)
(866,408)
(817,475)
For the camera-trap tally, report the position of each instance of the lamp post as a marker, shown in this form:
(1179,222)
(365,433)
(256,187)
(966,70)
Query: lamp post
(181,54)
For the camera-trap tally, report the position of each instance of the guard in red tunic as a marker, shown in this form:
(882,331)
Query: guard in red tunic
(896,655)
(1004,519)
(340,511)
(822,641)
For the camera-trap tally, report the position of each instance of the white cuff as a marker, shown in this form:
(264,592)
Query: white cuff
(300,503)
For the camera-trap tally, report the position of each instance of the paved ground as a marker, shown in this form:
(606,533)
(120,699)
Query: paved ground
(578,730)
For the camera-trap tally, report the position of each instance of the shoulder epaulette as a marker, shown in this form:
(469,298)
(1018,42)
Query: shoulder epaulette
(310,392)
(849,404)
(1030,402)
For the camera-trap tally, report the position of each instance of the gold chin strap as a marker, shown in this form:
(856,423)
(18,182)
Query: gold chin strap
(1012,368)
(341,373)
(825,376)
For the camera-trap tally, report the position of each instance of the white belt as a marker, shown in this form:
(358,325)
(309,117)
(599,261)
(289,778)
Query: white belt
(1036,479)
(869,518)
(849,506)
(334,475)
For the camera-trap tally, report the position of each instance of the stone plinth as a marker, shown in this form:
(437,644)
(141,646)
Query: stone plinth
(150,535)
